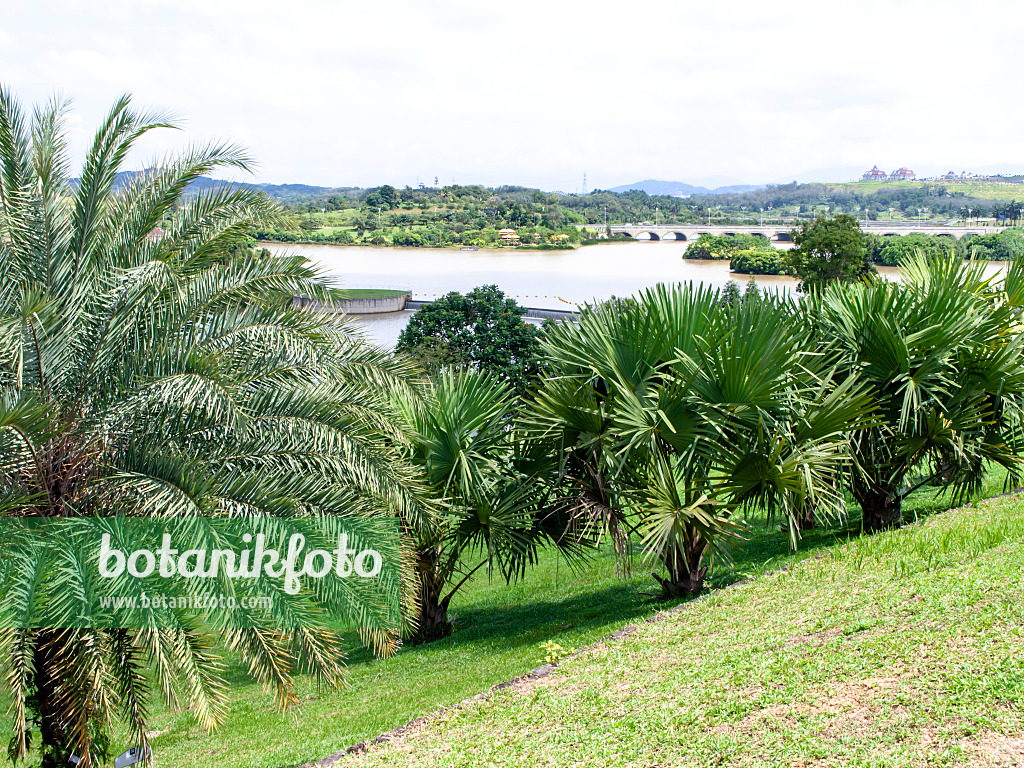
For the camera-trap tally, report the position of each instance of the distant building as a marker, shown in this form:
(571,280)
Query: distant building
(874,174)
(903,174)
(949,176)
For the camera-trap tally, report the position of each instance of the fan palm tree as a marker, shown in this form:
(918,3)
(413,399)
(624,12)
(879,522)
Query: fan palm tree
(670,413)
(152,365)
(462,439)
(940,356)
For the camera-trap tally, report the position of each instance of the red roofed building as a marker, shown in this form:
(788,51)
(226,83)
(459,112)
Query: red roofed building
(873,174)
(903,174)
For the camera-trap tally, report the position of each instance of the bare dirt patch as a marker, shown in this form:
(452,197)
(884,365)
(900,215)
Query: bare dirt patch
(763,720)
(815,638)
(853,706)
(850,707)
(995,750)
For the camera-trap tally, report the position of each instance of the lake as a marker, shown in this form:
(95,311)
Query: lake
(543,279)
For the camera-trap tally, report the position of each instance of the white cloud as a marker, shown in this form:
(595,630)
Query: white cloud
(539,92)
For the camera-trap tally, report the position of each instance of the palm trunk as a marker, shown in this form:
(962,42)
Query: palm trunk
(806,520)
(432,621)
(685,572)
(881,509)
(55,741)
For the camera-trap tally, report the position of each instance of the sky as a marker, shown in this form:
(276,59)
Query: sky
(541,92)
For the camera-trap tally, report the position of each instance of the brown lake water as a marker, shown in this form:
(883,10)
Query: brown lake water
(542,279)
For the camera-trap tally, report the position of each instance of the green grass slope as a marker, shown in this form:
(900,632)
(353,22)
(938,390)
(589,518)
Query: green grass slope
(901,649)
(984,189)
(499,632)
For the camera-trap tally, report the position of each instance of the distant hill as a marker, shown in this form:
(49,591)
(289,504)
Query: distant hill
(738,188)
(676,188)
(278,191)
(286,192)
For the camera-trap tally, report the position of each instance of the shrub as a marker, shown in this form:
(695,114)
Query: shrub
(721,247)
(759,262)
(889,251)
(1004,246)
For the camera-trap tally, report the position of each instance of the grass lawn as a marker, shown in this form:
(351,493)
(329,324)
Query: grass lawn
(499,633)
(370,293)
(902,649)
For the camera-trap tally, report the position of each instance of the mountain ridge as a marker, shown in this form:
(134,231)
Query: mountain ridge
(286,191)
(680,188)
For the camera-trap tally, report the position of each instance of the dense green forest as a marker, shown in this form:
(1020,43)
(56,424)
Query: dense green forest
(475,215)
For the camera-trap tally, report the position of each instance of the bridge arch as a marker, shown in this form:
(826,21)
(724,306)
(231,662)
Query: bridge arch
(689,232)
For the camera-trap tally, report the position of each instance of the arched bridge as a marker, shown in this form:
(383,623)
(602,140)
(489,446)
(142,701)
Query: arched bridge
(781,234)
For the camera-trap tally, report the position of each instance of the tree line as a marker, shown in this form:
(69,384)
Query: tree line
(842,239)
(474,215)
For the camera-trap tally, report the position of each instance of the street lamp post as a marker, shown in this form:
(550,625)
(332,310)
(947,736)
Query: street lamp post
(656,209)
(378,218)
(919,216)
(762,218)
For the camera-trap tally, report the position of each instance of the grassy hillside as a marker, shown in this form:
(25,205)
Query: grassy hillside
(901,649)
(980,189)
(499,635)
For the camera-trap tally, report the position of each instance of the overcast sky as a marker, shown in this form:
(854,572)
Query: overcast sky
(539,92)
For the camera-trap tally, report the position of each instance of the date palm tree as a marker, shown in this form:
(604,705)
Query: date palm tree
(671,412)
(153,365)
